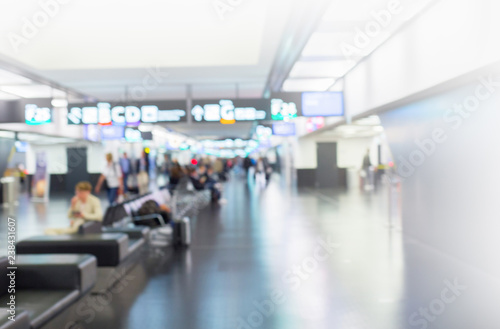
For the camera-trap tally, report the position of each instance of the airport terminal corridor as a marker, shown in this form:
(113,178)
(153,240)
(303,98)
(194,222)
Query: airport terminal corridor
(232,164)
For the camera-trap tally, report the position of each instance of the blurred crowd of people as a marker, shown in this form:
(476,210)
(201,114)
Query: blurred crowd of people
(132,176)
(125,175)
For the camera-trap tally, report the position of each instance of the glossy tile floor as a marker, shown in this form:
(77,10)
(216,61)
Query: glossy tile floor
(280,258)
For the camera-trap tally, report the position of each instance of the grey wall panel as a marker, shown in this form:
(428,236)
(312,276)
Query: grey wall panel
(328,174)
(450,165)
(306,177)
(13,111)
(77,167)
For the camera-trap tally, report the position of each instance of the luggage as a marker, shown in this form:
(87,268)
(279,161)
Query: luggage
(182,232)
(161,237)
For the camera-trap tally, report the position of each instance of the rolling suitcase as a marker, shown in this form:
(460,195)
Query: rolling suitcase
(182,232)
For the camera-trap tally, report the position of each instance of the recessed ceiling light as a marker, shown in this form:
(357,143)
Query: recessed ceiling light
(59,102)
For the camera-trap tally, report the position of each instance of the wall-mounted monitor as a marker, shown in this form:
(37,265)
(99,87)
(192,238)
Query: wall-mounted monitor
(322,104)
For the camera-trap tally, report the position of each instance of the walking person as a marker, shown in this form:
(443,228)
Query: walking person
(142,168)
(260,173)
(112,174)
(126,165)
(367,170)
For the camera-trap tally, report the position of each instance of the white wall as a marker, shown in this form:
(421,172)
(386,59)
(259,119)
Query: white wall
(95,158)
(450,190)
(450,199)
(350,152)
(453,38)
(305,154)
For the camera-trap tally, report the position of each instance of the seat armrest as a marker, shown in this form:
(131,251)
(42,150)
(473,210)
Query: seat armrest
(109,248)
(22,319)
(90,227)
(56,272)
(147,218)
(133,232)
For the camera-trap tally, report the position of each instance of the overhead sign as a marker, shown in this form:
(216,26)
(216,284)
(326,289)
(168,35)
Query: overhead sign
(281,110)
(112,132)
(146,135)
(123,114)
(133,135)
(263,133)
(285,105)
(35,115)
(284,129)
(315,123)
(32,111)
(228,111)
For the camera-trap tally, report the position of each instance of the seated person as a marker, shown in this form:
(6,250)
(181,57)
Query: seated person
(152,207)
(212,184)
(193,176)
(84,207)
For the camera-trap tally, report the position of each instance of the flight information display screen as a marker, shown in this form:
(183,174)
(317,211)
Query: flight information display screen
(322,104)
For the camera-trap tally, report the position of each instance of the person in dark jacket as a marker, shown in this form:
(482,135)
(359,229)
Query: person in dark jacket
(142,170)
(195,179)
(175,175)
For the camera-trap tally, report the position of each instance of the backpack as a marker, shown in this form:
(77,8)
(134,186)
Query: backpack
(148,208)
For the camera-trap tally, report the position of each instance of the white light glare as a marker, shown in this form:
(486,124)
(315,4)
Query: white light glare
(59,102)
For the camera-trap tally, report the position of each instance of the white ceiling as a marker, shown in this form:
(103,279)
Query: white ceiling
(165,49)
(101,48)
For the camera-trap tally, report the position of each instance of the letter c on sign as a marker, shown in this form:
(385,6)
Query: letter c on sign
(117,114)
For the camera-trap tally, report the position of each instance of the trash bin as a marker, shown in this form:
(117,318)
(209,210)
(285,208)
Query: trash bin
(10,191)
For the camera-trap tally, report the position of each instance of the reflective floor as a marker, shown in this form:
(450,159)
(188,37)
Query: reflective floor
(280,258)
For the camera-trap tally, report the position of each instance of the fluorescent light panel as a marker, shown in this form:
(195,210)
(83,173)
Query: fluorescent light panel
(9,78)
(327,44)
(7,134)
(298,85)
(7,96)
(29,91)
(321,69)
(59,102)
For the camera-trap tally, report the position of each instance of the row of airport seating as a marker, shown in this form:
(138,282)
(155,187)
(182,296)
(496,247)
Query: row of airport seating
(54,272)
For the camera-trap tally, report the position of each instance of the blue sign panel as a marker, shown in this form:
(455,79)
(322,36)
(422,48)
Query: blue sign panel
(284,129)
